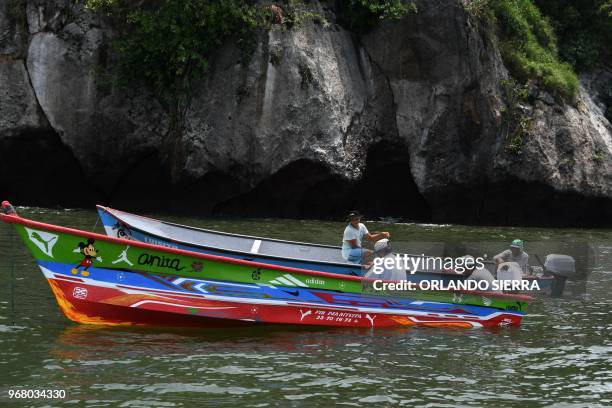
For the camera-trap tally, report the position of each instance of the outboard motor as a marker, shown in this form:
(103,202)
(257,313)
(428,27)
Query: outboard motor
(561,267)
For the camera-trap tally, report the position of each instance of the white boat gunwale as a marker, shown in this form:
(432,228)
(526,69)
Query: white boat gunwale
(244,253)
(116,214)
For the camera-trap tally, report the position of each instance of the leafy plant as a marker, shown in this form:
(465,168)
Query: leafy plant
(478,9)
(584,28)
(598,156)
(166,44)
(517,138)
(298,13)
(516,126)
(529,47)
(361,15)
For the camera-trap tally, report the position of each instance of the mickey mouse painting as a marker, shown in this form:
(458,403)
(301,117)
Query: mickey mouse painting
(89,250)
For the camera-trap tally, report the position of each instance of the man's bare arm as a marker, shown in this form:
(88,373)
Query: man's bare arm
(499,258)
(376,236)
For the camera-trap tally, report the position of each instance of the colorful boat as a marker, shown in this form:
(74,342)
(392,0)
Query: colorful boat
(324,258)
(98,279)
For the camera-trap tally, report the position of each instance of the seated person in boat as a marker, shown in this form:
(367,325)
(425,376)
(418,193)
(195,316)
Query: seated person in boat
(354,234)
(383,250)
(517,254)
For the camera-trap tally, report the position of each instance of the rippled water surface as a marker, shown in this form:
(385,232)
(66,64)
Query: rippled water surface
(561,356)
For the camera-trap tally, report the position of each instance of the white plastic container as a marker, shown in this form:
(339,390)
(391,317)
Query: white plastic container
(509,271)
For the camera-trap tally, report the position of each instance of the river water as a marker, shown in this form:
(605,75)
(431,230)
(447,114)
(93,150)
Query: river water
(561,356)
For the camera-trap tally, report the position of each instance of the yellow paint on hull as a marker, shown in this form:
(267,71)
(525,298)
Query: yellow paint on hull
(407,322)
(71,312)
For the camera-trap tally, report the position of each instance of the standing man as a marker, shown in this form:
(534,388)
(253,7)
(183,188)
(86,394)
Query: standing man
(517,254)
(354,233)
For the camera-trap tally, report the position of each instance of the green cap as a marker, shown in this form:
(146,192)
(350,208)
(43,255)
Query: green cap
(517,243)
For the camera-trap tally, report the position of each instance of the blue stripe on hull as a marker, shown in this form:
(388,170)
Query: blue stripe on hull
(256,291)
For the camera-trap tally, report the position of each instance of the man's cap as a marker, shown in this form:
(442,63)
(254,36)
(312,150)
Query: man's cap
(381,245)
(5,204)
(354,214)
(517,243)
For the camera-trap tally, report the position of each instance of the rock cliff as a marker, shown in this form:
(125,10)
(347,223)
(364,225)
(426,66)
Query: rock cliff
(404,120)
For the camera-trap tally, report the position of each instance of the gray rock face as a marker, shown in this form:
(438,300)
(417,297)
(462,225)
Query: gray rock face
(445,84)
(569,147)
(445,77)
(13,34)
(404,120)
(106,131)
(19,109)
(305,94)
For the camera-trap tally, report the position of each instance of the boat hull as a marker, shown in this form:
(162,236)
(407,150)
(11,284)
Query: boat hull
(102,280)
(89,301)
(102,313)
(117,227)
(124,225)
(49,243)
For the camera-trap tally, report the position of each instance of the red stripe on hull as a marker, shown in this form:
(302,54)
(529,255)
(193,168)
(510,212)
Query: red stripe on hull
(90,304)
(87,312)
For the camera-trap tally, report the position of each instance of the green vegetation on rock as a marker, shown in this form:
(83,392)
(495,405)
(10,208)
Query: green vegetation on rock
(363,14)
(529,47)
(166,44)
(548,41)
(516,125)
(584,29)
